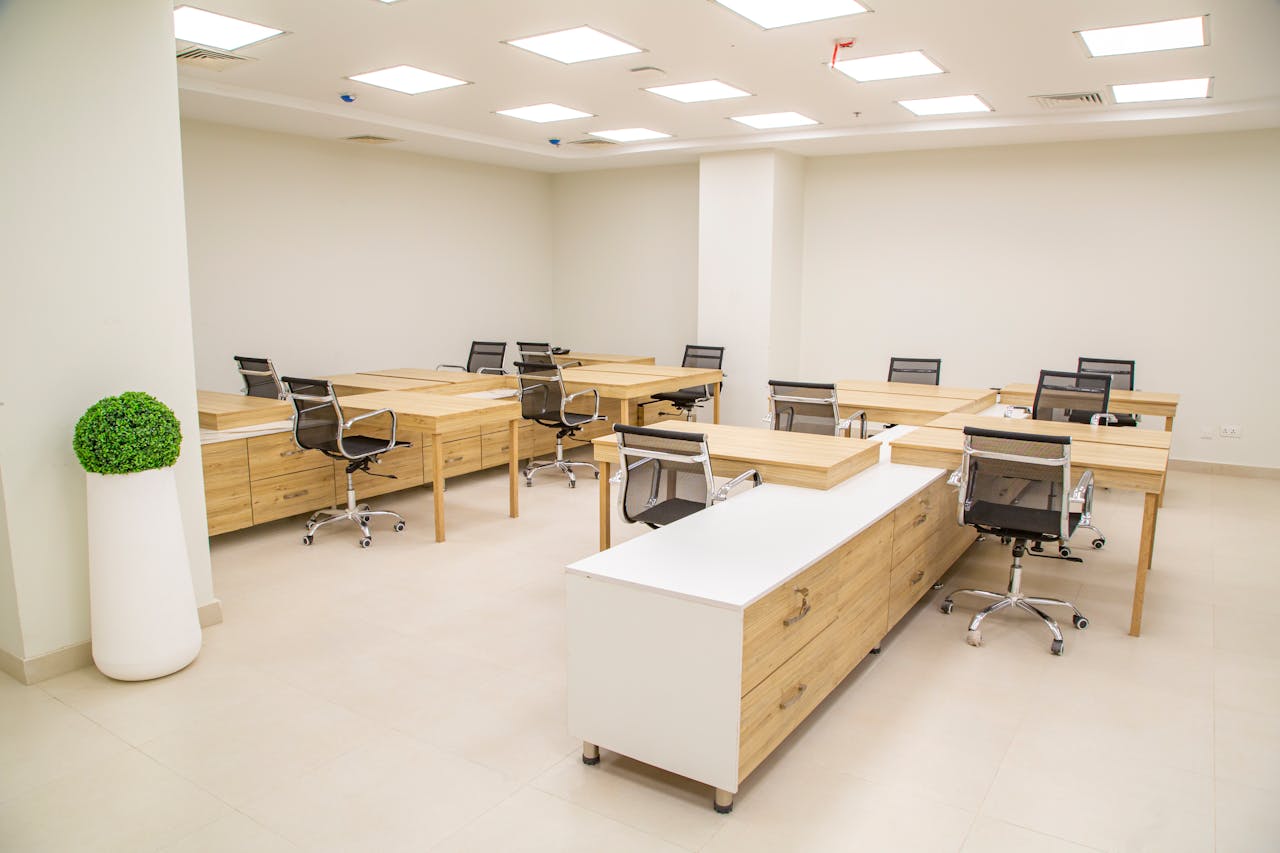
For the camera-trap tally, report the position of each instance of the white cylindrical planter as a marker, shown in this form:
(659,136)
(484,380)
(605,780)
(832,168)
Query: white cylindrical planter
(142,605)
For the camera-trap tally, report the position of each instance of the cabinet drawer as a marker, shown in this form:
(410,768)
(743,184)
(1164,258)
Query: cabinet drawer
(290,494)
(273,455)
(773,709)
(226,486)
(405,463)
(919,516)
(496,446)
(460,457)
(776,626)
(912,577)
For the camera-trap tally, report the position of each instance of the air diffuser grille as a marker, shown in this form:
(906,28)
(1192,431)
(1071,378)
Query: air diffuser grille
(1073,99)
(208,58)
(367,139)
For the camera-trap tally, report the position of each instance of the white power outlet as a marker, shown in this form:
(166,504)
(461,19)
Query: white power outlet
(1229,431)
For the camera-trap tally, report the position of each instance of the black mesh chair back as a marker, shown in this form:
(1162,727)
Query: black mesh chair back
(541,391)
(317,417)
(1017,484)
(666,475)
(704,358)
(1121,371)
(487,356)
(1065,396)
(535,352)
(918,371)
(804,407)
(260,377)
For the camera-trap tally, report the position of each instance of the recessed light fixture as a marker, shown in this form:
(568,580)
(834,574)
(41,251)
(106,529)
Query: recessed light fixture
(207,28)
(912,63)
(1142,38)
(783,13)
(407,79)
(946,106)
(542,113)
(1167,90)
(770,121)
(630,134)
(705,90)
(575,45)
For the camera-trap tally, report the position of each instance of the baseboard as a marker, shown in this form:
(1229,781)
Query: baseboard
(211,613)
(1224,469)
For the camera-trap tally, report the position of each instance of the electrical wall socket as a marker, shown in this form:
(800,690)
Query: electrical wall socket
(1229,431)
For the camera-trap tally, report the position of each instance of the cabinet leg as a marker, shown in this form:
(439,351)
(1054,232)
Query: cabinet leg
(724,801)
(590,753)
(876,650)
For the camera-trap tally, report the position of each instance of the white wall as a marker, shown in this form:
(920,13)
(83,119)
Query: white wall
(1002,261)
(626,262)
(331,257)
(10,618)
(94,279)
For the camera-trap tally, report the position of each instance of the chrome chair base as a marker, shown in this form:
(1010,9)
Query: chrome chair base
(560,464)
(360,514)
(1015,598)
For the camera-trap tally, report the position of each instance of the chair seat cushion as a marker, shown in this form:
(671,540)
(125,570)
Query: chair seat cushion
(1019,522)
(686,397)
(360,446)
(575,419)
(669,511)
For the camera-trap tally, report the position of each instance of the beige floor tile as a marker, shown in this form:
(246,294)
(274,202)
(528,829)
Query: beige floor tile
(125,802)
(1246,682)
(1247,748)
(535,821)
(1248,821)
(235,832)
(997,836)
(1247,630)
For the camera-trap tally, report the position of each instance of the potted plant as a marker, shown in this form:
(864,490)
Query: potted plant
(142,606)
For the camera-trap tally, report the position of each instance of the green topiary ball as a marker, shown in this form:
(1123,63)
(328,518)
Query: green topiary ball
(132,432)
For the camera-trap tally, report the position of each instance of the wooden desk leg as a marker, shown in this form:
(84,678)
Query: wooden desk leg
(1145,547)
(605,535)
(624,411)
(715,403)
(1168,424)
(513,466)
(437,487)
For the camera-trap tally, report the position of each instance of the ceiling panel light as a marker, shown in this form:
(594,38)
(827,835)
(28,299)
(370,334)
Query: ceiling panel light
(1168,90)
(912,63)
(1142,38)
(576,45)
(946,106)
(706,90)
(770,121)
(630,134)
(201,27)
(782,13)
(407,79)
(542,113)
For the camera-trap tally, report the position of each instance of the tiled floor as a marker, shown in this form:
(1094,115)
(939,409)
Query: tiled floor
(412,697)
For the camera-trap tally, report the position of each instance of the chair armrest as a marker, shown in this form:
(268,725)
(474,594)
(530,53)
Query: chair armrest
(1100,418)
(391,442)
(847,424)
(494,370)
(1008,410)
(954,479)
(594,413)
(564,364)
(1083,486)
(451,367)
(722,493)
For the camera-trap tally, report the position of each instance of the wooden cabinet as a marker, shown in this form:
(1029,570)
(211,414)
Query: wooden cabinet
(290,494)
(226,486)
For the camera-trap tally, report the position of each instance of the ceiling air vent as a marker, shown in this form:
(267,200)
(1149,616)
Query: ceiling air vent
(1074,99)
(366,139)
(591,143)
(208,58)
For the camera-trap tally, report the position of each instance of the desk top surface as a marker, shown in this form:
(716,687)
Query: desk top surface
(425,374)
(603,357)
(628,381)
(912,389)
(903,408)
(220,410)
(432,412)
(1129,436)
(787,458)
(380,382)
(1139,402)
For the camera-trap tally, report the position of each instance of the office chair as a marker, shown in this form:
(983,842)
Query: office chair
(260,377)
(1018,486)
(1075,398)
(485,357)
(541,353)
(666,475)
(687,399)
(318,424)
(810,407)
(542,400)
(1122,379)
(918,371)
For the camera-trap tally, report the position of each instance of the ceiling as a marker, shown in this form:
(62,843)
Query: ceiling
(1005,51)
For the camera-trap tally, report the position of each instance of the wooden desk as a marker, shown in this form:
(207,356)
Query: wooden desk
(434,414)
(781,458)
(628,382)
(1152,403)
(219,410)
(906,405)
(880,386)
(1117,457)
(589,358)
(445,377)
(345,384)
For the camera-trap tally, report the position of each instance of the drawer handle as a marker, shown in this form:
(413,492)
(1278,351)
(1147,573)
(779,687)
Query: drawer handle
(293,495)
(782,706)
(297,452)
(920,519)
(449,459)
(917,577)
(803,592)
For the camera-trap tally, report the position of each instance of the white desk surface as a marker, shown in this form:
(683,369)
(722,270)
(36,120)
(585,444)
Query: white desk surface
(757,539)
(211,436)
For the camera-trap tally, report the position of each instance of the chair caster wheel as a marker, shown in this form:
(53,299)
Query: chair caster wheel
(399,528)
(973,638)
(1099,542)
(573,484)
(1064,551)
(1056,647)
(308,539)
(597,475)
(947,606)
(366,542)
(1080,622)
(1005,540)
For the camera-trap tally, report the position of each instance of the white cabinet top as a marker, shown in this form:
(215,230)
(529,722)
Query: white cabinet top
(733,553)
